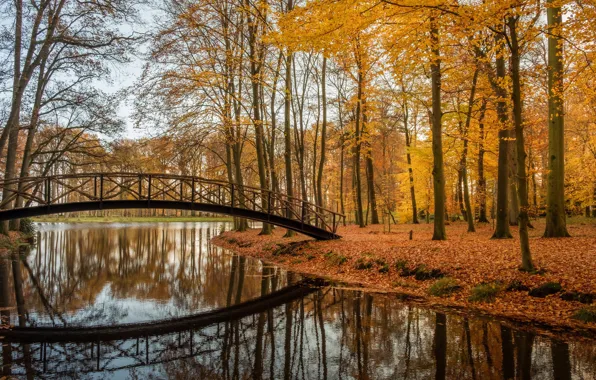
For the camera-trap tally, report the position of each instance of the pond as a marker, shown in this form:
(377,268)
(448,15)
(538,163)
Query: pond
(82,277)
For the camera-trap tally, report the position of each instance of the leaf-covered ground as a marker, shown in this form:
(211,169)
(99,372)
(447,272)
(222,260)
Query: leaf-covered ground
(383,261)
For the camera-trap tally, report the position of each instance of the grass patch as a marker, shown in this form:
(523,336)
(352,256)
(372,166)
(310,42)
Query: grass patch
(443,287)
(362,264)
(402,268)
(310,256)
(586,314)
(384,268)
(421,273)
(546,290)
(335,258)
(485,292)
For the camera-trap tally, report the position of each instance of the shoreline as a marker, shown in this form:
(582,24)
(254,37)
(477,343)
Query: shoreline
(368,266)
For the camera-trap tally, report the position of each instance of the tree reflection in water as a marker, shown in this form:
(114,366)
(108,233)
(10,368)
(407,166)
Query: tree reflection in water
(106,274)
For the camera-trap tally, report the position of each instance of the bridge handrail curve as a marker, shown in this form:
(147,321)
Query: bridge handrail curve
(20,187)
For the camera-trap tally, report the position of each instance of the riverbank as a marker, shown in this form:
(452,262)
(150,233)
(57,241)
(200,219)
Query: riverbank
(128,219)
(469,272)
(12,241)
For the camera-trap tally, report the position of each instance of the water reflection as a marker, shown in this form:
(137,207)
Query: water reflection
(96,275)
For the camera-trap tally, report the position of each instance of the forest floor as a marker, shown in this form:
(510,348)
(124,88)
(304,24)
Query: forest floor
(128,219)
(469,272)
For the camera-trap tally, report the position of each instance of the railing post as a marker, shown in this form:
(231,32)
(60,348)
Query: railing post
(303,213)
(101,191)
(48,192)
(95,187)
(140,186)
(192,195)
(181,190)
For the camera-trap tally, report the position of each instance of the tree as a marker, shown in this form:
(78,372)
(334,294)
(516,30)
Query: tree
(556,225)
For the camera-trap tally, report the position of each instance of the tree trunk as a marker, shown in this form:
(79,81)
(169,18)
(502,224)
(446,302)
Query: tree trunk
(556,223)
(255,71)
(357,149)
(481,189)
(323,136)
(502,228)
(437,136)
(370,174)
(287,132)
(522,179)
(410,171)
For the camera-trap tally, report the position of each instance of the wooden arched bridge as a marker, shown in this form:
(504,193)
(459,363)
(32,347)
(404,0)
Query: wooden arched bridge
(34,196)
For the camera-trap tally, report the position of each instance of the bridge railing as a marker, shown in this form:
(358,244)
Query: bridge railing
(99,187)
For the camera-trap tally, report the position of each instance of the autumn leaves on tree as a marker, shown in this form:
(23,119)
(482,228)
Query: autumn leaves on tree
(388,111)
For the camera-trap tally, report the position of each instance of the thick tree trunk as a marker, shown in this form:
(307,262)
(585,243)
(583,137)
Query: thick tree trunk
(522,179)
(370,174)
(513,191)
(556,223)
(502,228)
(357,149)
(320,202)
(437,135)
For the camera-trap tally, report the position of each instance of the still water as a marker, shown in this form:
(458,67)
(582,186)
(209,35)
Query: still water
(82,276)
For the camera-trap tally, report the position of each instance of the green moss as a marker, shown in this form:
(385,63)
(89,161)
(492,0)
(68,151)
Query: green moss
(443,287)
(586,314)
(485,292)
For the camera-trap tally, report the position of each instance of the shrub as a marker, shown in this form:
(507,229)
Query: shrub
(443,287)
(586,314)
(485,292)
(384,268)
(27,226)
(586,298)
(546,289)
